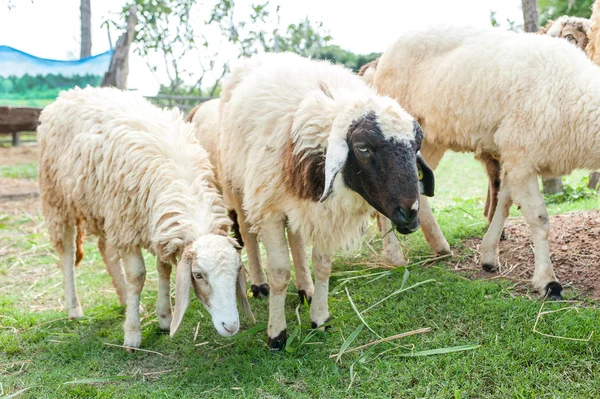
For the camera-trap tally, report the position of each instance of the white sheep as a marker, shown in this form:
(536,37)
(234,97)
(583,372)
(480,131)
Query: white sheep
(136,177)
(206,118)
(529,100)
(308,145)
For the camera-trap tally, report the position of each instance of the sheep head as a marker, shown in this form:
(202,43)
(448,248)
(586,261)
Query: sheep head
(378,155)
(212,266)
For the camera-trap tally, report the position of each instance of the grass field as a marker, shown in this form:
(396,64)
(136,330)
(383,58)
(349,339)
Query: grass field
(481,341)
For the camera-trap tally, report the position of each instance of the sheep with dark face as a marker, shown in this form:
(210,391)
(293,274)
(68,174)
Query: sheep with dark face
(309,145)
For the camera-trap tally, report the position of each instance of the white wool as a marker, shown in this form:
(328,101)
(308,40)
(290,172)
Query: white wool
(131,171)
(272,98)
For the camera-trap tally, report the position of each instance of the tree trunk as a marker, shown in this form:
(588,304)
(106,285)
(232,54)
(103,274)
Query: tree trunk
(594,180)
(86,29)
(119,63)
(530,15)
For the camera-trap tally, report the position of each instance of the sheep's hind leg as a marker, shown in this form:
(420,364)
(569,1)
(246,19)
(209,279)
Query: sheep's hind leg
(528,196)
(67,265)
(163,305)
(278,257)
(391,248)
(319,309)
(304,283)
(112,260)
(135,273)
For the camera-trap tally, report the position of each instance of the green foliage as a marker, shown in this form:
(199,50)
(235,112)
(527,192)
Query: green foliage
(350,60)
(553,9)
(43,86)
(572,193)
(20,171)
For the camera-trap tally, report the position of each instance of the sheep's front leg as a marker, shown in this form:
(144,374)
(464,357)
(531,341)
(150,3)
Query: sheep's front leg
(67,265)
(112,261)
(135,274)
(278,257)
(319,309)
(304,283)
(391,247)
(163,305)
(489,245)
(432,154)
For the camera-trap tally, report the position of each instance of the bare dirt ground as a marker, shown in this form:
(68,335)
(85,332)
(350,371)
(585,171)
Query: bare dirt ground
(574,250)
(17,155)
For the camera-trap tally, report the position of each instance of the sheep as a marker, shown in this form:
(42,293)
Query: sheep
(206,118)
(529,100)
(573,29)
(135,176)
(308,145)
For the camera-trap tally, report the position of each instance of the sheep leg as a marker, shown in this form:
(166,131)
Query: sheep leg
(304,283)
(111,259)
(319,309)
(391,248)
(431,229)
(489,245)
(67,265)
(528,196)
(493,170)
(278,257)
(135,274)
(163,305)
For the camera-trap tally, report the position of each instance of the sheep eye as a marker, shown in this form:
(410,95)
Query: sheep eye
(420,174)
(570,38)
(362,148)
(198,276)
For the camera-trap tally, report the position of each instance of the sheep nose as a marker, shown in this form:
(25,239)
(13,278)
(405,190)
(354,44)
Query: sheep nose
(405,219)
(231,328)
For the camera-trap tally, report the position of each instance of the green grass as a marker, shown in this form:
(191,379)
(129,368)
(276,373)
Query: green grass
(20,171)
(55,358)
(35,103)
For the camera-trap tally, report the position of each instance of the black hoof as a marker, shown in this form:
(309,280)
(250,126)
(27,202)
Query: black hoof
(554,291)
(488,267)
(278,342)
(315,326)
(302,295)
(261,291)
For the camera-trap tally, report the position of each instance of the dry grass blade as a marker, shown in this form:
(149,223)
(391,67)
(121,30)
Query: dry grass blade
(15,394)
(135,349)
(540,314)
(387,339)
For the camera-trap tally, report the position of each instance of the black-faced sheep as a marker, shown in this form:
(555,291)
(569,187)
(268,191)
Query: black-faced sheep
(309,145)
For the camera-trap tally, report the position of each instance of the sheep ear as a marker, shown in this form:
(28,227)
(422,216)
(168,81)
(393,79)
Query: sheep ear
(335,158)
(240,292)
(183,282)
(426,179)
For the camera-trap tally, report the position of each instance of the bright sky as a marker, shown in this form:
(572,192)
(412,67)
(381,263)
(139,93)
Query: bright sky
(44,29)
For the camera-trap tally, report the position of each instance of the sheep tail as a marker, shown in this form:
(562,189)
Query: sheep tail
(79,253)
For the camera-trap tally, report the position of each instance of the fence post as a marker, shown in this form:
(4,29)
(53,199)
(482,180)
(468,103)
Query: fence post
(16,139)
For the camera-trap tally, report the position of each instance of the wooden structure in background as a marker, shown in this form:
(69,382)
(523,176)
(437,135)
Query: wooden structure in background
(14,120)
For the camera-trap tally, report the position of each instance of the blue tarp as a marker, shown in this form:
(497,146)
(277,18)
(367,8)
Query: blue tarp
(17,63)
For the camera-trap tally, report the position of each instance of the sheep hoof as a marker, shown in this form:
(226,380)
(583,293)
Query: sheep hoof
(314,325)
(261,291)
(278,342)
(75,313)
(304,297)
(488,267)
(133,340)
(553,291)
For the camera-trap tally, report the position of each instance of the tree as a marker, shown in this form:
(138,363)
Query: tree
(86,29)
(552,9)
(344,57)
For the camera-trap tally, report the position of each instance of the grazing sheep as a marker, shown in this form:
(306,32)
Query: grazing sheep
(528,100)
(309,145)
(206,118)
(136,177)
